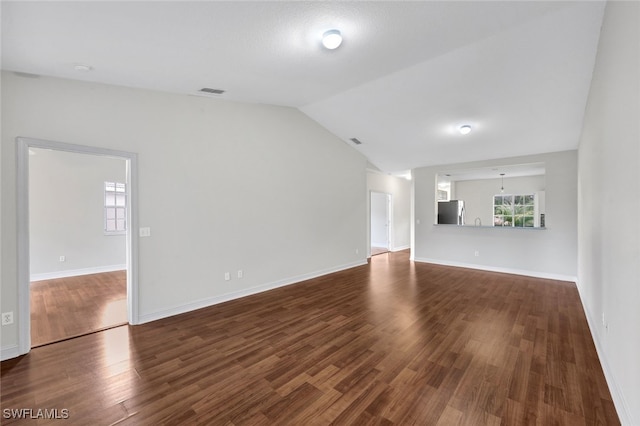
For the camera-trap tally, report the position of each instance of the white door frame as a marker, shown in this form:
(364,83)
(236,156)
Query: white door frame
(389,219)
(24,309)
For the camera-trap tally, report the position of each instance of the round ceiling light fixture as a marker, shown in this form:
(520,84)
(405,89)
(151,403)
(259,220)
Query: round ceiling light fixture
(331,39)
(82,67)
(465,129)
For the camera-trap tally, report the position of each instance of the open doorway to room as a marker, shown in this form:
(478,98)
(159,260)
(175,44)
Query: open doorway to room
(76,255)
(380,222)
(77,258)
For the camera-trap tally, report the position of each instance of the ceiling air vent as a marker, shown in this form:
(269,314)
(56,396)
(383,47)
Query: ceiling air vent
(356,141)
(212,91)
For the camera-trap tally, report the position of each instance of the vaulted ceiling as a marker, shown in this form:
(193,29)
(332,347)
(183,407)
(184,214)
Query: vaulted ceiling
(406,76)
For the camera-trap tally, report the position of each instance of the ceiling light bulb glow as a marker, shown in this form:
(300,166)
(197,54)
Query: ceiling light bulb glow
(82,67)
(331,39)
(465,129)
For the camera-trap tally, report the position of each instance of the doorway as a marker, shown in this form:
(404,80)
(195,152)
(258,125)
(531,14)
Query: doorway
(380,222)
(125,274)
(77,257)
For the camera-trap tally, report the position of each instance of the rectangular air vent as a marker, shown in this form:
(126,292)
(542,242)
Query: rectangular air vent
(356,141)
(212,91)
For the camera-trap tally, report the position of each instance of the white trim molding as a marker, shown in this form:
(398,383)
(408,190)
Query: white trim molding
(535,274)
(622,407)
(9,352)
(210,301)
(395,249)
(77,272)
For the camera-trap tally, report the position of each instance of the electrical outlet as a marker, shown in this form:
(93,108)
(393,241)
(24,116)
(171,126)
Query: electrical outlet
(62,258)
(476,253)
(7,318)
(357,251)
(227,276)
(240,273)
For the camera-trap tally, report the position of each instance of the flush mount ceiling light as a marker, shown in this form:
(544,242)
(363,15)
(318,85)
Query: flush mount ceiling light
(82,67)
(331,39)
(465,129)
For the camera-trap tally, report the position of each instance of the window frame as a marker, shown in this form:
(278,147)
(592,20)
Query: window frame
(525,203)
(113,193)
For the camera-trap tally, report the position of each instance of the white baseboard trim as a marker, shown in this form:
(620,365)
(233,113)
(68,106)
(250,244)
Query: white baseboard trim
(535,274)
(400,248)
(9,352)
(618,398)
(203,303)
(77,272)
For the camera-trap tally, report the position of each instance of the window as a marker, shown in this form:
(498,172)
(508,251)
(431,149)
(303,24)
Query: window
(514,210)
(115,207)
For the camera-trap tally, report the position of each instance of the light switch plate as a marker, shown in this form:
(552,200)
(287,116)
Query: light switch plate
(145,232)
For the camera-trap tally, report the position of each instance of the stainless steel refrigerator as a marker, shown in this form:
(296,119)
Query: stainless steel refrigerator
(451,212)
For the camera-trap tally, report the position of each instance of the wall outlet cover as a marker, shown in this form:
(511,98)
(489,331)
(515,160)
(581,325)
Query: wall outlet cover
(7,318)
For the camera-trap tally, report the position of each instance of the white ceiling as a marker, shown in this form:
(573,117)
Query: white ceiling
(406,75)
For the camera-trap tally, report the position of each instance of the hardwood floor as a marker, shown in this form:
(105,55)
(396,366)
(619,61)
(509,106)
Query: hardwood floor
(391,342)
(378,250)
(69,307)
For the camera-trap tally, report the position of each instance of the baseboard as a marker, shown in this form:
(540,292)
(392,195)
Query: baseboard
(203,303)
(535,274)
(77,272)
(619,402)
(9,352)
(400,248)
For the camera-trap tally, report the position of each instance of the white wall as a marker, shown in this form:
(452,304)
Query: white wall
(400,190)
(478,194)
(609,203)
(549,252)
(66,203)
(222,185)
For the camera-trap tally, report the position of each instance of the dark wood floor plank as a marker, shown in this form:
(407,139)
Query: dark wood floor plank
(391,342)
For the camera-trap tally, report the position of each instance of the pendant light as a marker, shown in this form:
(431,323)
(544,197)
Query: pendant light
(502,183)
